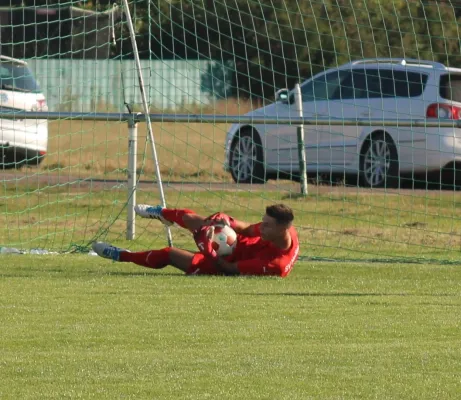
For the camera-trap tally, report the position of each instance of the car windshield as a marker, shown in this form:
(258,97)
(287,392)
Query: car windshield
(17,77)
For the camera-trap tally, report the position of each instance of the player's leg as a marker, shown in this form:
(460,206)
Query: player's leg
(183,217)
(201,265)
(186,261)
(157,259)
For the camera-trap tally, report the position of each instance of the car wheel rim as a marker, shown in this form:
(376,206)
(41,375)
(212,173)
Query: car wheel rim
(243,158)
(377,162)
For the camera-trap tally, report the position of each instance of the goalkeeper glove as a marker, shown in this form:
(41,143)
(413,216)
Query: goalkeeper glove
(221,218)
(203,239)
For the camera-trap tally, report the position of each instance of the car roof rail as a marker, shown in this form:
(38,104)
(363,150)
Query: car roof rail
(15,60)
(401,61)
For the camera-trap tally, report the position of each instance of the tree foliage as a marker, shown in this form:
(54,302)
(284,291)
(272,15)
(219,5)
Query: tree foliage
(276,43)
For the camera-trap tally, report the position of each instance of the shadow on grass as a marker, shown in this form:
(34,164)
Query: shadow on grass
(145,273)
(307,294)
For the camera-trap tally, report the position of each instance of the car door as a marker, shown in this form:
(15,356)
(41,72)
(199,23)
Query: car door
(282,140)
(320,102)
(401,92)
(331,144)
(358,97)
(379,94)
(279,140)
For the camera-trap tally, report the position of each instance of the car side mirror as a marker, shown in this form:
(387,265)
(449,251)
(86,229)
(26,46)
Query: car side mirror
(282,95)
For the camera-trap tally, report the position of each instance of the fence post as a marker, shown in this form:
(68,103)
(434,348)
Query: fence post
(146,114)
(131,169)
(301,147)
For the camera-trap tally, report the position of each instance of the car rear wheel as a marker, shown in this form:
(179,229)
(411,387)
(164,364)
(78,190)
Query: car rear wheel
(8,160)
(246,159)
(14,158)
(379,166)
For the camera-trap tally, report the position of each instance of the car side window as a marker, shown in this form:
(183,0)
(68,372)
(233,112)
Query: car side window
(409,84)
(361,84)
(372,88)
(353,86)
(388,83)
(325,87)
(6,77)
(450,87)
(382,83)
(17,77)
(396,83)
(314,90)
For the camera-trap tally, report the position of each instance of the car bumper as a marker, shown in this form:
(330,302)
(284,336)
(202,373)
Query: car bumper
(226,166)
(441,150)
(25,136)
(23,155)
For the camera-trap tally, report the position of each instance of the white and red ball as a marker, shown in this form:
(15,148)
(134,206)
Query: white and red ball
(224,240)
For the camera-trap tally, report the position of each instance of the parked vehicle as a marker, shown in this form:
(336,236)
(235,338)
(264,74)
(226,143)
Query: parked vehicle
(21,141)
(383,89)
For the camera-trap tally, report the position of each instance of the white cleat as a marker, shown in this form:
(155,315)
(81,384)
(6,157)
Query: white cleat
(106,250)
(153,212)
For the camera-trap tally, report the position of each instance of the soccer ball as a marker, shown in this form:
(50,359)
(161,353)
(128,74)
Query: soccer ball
(224,240)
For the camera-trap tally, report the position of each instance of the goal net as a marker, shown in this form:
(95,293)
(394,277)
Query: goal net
(376,190)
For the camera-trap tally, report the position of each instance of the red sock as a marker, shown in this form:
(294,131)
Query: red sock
(151,259)
(175,215)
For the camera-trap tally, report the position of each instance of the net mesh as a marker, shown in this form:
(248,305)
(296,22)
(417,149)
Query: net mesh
(230,58)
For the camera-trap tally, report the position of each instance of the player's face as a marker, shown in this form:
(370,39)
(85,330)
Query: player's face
(269,228)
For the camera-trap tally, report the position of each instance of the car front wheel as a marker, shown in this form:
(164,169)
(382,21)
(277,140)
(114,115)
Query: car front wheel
(379,166)
(246,159)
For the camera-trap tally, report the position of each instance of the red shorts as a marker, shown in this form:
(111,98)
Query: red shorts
(202,265)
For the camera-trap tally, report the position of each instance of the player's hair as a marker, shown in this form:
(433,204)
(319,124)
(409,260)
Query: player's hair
(281,213)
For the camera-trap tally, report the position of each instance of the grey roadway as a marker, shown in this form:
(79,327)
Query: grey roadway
(41,180)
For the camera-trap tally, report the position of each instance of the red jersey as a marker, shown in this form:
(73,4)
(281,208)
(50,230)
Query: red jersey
(255,256)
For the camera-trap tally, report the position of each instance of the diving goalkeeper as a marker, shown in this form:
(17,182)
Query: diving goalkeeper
(269,247)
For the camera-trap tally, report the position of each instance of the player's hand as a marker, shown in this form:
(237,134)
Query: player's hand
(221,218)
(202,237)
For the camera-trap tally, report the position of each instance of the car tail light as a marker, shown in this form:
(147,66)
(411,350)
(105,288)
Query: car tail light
(40,106)
(443,111)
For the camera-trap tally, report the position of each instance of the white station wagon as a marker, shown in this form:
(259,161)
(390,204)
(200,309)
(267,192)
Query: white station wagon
(22,141)
(383,89)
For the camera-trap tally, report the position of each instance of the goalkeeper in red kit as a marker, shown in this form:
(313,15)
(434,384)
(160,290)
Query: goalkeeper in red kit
(269,247)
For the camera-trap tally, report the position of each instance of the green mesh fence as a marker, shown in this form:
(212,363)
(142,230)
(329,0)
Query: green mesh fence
(376,190)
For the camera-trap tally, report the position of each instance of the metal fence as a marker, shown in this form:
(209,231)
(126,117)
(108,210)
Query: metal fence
(104,85)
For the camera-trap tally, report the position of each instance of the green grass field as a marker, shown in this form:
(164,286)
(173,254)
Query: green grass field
(354,226)
(37,210)
(81,327)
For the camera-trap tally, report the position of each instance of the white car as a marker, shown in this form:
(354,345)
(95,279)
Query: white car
(21,141)
(384,89)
